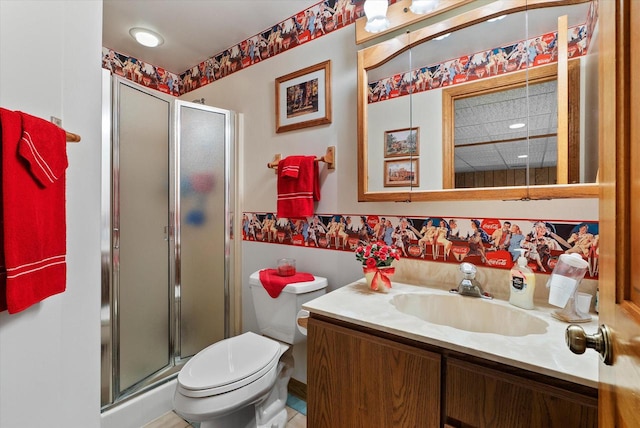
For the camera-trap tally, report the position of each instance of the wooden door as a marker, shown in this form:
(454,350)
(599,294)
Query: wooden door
(619,403)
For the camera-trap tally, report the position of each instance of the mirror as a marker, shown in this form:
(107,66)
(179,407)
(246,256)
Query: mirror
(410,83)
(496,132)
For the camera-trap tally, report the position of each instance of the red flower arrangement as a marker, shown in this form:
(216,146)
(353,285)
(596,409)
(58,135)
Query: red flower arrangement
(377,254)
(376,261)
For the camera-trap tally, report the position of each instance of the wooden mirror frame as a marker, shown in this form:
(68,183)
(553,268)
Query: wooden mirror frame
(383,52)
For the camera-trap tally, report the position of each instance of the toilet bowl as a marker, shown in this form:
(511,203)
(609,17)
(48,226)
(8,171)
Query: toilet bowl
(241,382)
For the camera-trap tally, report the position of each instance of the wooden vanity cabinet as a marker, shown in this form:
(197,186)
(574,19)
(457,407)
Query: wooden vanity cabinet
(359,377)
(356,379)
(479,397)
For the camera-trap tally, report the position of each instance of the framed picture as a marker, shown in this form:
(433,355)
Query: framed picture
(401,172)
(402,142)
(303,98)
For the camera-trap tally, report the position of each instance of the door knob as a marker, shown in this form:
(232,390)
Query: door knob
(578,341)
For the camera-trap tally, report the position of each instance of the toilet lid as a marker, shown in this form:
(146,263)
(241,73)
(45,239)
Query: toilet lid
(229,364)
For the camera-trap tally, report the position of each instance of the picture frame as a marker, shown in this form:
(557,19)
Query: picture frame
(402,142)
(401,172)
(303,98)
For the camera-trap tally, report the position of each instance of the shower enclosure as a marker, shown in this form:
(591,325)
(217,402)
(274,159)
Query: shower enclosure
(166,254)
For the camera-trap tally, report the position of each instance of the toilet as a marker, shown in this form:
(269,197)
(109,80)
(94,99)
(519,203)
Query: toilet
(241,382)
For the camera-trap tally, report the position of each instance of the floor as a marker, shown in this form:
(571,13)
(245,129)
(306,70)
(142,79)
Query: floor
(295,418)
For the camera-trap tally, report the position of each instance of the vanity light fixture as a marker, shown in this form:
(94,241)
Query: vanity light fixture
(444,36)
(516,125)
(420,7)
(146,37)
(376,13)
(497,18)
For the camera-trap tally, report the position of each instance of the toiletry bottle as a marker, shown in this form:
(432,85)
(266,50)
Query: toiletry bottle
(522,284)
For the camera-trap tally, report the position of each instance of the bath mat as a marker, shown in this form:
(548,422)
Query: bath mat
(297,404)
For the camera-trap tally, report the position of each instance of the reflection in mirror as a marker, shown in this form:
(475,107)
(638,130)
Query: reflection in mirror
(492,148)
(478,52)
(507,134)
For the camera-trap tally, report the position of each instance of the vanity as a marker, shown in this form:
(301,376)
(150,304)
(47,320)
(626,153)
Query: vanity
(423,357)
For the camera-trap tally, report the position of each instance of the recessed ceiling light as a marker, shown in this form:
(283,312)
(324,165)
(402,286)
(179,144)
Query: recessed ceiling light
(444,36)
(516,125)
(497,18)
(146,37)
(523,156)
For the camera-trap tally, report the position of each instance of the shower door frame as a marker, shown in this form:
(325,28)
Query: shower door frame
(111,395)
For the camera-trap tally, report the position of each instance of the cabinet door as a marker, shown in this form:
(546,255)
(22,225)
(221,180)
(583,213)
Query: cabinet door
(358,380)
(479,397)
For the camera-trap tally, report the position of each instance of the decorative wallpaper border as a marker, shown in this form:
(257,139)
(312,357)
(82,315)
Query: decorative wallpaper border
(489,242)
(530,53)
(328,16)
(533,52)
(141,72)
(303,27)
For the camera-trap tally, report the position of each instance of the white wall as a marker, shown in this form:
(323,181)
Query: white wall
(252,93)
(50,353)
(396,113)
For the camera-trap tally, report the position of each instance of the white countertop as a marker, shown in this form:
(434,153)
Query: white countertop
(545,353)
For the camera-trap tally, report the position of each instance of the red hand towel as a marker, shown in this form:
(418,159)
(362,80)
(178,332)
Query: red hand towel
(34,160)
(296,195)
(291,166)
(274,283)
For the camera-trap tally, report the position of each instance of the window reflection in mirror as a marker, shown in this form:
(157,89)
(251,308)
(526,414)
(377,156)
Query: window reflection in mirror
(493,144)
(506,134)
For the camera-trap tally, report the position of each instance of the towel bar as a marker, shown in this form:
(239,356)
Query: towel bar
(72,138)
(328,158)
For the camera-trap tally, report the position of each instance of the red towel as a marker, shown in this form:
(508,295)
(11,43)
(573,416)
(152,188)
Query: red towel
(298,186)
(34,161)
(274,283)
(291,166)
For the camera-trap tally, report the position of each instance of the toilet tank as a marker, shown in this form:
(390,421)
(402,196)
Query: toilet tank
(277,317)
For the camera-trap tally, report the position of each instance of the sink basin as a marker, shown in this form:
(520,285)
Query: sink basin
(470,314)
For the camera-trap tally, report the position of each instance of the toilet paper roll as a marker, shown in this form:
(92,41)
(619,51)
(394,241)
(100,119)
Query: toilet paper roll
(301,321)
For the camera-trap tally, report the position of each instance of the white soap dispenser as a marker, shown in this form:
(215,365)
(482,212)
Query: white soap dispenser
(522,283)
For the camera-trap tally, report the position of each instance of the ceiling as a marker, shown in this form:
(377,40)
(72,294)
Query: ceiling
(193,30)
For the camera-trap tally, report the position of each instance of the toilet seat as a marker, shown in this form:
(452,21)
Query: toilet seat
(228,365)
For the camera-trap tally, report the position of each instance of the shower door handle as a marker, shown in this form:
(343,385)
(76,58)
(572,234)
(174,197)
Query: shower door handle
(116,238)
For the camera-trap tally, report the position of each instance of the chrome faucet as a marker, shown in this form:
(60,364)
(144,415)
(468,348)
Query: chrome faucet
(469,286)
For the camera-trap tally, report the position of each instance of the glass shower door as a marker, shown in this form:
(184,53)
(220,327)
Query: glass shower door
(202,234)
(141,245)
(167,241)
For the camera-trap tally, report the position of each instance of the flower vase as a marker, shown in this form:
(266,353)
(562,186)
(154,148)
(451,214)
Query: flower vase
(378,277)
